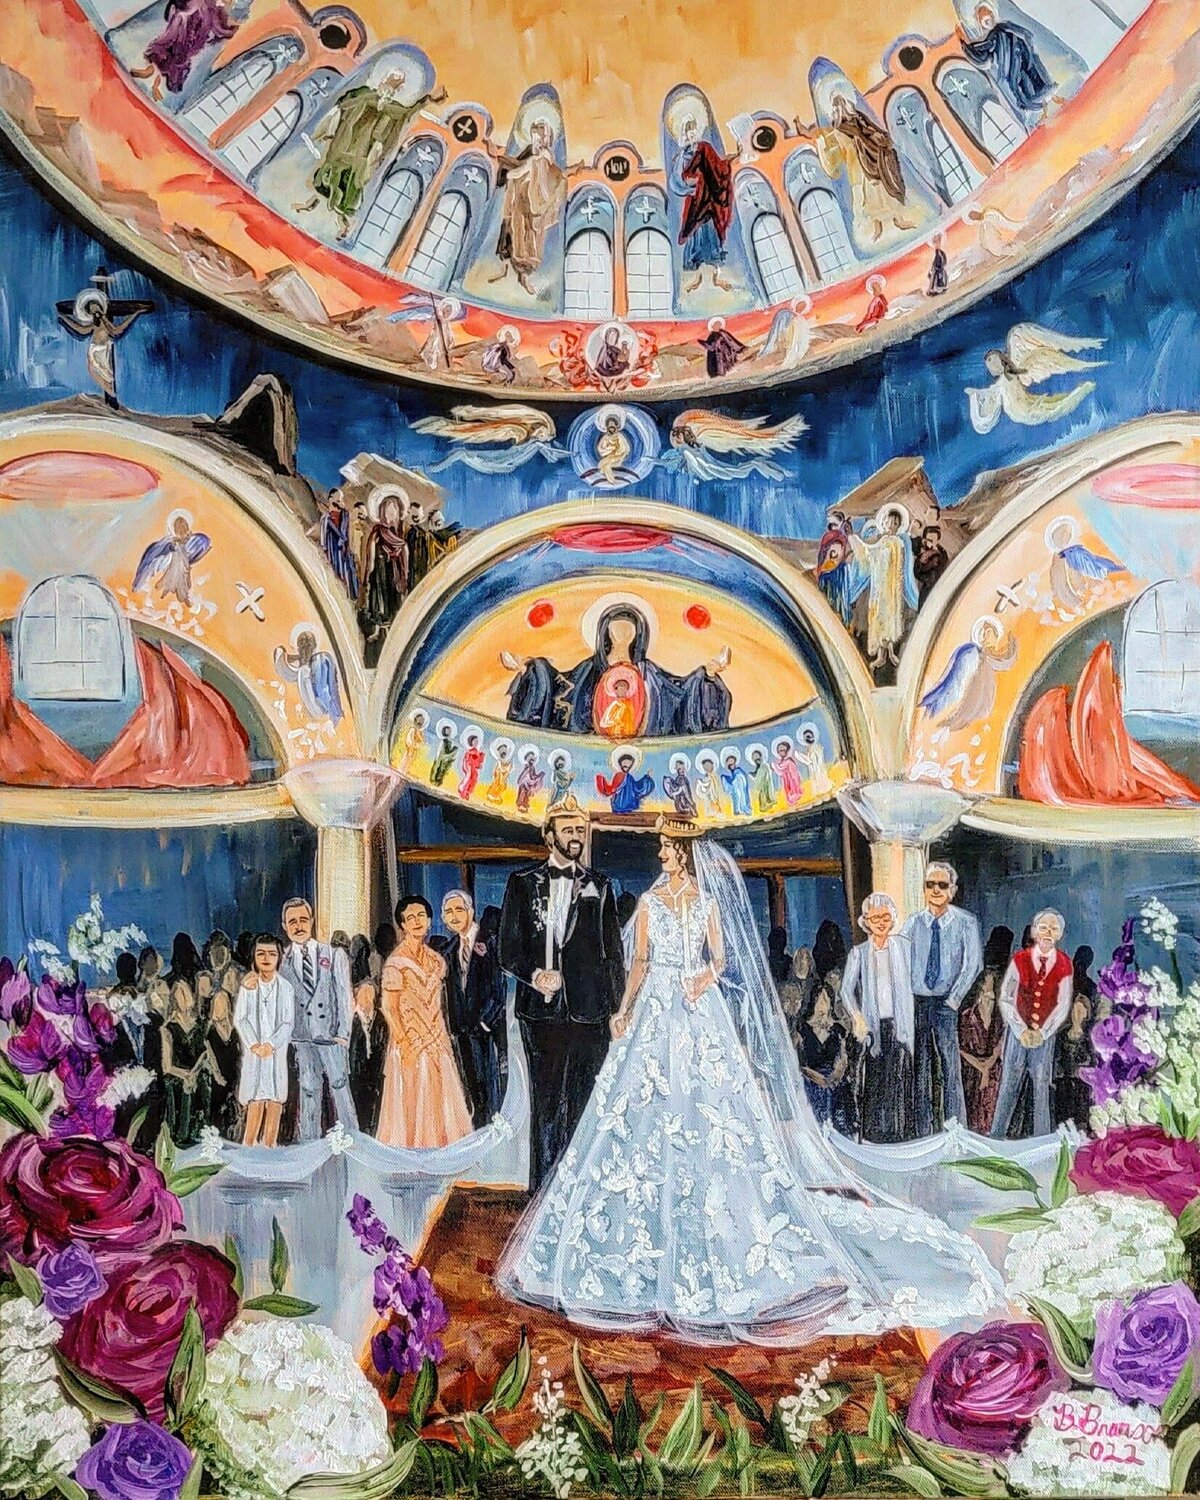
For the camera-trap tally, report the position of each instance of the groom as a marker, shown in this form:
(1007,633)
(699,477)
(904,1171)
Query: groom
(560,938)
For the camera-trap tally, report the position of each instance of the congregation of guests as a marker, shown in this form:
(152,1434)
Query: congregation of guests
(275,1038)
(921,1022)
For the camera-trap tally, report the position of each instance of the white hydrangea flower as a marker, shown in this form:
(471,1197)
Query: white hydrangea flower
(126,1083)
(799,1412)
(1092,1445)
(1160,923)
(553,1452)
(1096,1246)
(284,1399)
(212,1146)
(42,1435)
(338,1139)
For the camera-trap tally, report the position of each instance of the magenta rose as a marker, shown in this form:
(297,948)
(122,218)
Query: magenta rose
(1142,1161)
(102,1194)
(1142,1345)
(980,1390)
(128,1336)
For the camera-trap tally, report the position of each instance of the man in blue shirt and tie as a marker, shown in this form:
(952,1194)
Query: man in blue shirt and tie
(947,958)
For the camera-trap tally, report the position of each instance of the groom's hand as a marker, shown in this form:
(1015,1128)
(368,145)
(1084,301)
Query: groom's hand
(547,981)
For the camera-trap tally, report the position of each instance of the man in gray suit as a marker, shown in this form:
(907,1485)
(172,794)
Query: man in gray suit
(320,977)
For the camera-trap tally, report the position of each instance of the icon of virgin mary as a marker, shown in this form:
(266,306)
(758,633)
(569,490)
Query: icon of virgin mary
(618,691)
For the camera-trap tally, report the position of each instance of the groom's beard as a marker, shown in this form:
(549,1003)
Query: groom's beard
(573,850)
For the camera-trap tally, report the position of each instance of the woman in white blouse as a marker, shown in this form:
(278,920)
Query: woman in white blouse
(263,1015)
(877,991)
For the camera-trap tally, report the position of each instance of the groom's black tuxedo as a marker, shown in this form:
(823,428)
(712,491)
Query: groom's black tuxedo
(565,1034)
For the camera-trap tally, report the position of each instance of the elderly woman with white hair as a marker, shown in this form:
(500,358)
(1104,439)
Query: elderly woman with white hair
(877,992)
(1035,999)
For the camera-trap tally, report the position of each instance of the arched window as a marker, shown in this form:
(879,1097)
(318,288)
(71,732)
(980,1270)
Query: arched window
(648,274)
(920,134)
(775,258)
(1161,650)
(974,103)
(69,642)
(824,232)
(237,84)
(389,216)
(436,257)
(260,140)
(588,277)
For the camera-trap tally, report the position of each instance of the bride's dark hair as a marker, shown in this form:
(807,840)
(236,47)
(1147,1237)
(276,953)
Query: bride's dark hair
(686,851)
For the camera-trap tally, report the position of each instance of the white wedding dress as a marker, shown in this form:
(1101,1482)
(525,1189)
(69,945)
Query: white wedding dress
(698,1193)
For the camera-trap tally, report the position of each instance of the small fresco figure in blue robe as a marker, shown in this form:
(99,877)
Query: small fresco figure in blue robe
(737,784)
(335,542)
(1007,52)
(625,791)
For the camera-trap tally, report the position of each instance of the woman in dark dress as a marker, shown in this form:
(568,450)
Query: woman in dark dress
(822,1056)
(981,1042)
(223,1048)
(368,1038)
(1074,1050)
(185,1067)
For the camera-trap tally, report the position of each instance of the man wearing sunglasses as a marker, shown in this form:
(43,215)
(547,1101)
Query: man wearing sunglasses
(947,958)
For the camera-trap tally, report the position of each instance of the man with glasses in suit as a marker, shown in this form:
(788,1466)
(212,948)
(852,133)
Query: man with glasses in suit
(320,978)
(947,958)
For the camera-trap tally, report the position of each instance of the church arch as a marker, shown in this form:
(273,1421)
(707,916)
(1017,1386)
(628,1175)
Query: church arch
(237,83)
(437,255)
(924,141)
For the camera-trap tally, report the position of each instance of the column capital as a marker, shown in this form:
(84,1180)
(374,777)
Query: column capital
(902,812)
(342,793)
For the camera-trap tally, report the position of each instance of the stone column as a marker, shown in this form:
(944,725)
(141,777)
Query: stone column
(901,819)
(343,800)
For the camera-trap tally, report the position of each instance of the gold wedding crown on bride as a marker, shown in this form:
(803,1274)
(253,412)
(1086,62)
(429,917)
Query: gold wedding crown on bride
(677,828)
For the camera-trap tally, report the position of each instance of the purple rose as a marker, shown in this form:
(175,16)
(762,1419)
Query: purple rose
(980,1391)
(1142,1345)
(70,1280)
(135,1461)
(83,1081)
(16,994)
(1142,1161)
(37,1047)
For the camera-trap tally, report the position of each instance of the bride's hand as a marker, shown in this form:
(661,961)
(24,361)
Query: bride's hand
(694,986)
(619,1025)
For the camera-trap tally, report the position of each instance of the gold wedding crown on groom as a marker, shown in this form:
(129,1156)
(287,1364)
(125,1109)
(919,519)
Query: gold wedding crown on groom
(567,807)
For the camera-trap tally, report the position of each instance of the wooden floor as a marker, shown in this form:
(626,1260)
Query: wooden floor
(460,1251)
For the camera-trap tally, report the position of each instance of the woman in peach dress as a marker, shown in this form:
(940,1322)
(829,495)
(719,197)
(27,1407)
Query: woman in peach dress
(423,1100)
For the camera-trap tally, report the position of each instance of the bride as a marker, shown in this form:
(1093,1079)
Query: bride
(698,1193)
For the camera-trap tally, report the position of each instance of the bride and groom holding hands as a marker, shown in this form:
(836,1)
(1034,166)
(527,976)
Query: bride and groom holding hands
(680,1179)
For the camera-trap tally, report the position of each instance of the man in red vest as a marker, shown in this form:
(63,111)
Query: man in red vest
(1035,999)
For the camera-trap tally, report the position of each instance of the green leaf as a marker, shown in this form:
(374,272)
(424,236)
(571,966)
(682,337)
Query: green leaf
(513,1379)
(710,1477)
(591,1390)
(1182,1394)
(879,1424)
(652,1419)
(27,1281)
(136,1123)
(68,1488)
(164,1153)
(231,1255)
(626,1420)
(997,1172)
(1070,1345)
(191,1485)
(954,1469)
(486,1434)
(845,1453)
(1061,1185)
(424,1393)
(681,1445)
(1189,1220)
(39,1091)
(188,1179)
(919,1481)
(280,1260)
(1183,1456)
(95,1398)
(745,1402)
(17,1110)
(185,1381)
(280,1305)
(1013,1221)
(9,1074)
(375,1484)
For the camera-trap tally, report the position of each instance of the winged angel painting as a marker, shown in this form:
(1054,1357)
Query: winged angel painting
(599,790)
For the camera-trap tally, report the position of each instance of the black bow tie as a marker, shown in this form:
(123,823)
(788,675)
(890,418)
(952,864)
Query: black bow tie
(559,872)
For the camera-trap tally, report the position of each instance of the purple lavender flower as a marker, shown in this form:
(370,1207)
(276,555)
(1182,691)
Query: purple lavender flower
(38,1047)
(58,998)
(135,1461)
(405,1293)
(1120,1061)
(70,1280)
(83,1081)
(16,994)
